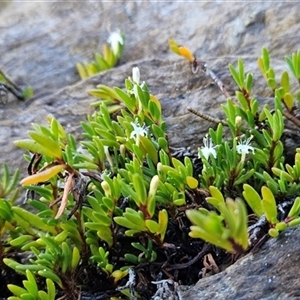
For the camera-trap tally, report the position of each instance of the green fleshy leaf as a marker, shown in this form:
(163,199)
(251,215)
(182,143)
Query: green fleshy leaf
(50,289)
(82,71)
(279,172)
(192,182)
(19,241)
(253,199)
(35,147)
(266,58)
(243,178)
(269,204)
(33,219)
(148,147)
(289,62)
(294,222)
(295,209)
(260,64)
(248,82)
(30,284)
(235,76)
(129,221)
(241,71)
(163,223)
(152,226)
(140,189)
(272,83)
(273,232)
(50,275)
(46,141)
(216,197)
(288,100)
(285,81)
(16,290)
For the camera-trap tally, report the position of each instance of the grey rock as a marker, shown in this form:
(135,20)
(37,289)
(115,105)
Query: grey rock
(41,43)
(271,273)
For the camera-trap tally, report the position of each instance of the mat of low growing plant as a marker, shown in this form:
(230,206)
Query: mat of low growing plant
(121,215)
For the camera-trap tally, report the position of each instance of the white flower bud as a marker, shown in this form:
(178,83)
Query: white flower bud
(115,40)
(136,75)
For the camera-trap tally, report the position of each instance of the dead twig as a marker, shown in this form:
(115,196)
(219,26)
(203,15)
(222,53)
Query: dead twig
(206,117)
(292,118)
(215,78)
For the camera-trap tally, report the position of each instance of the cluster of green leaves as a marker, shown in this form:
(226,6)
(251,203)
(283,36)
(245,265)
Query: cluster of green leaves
(8,195)
(108,59)
(122,182)
(267,207)
(122,172)
(252,160)
(30,289)
(54,246)
(228,229)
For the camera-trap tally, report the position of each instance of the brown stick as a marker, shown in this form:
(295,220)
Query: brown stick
(215,78)
(206,117)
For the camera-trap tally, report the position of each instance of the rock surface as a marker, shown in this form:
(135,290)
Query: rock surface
(271,273)
(42,41)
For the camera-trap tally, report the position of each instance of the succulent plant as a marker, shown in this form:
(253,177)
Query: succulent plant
(119,205)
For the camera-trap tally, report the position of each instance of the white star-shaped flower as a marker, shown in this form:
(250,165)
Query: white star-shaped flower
(244,147)
(208,148)
(138,130)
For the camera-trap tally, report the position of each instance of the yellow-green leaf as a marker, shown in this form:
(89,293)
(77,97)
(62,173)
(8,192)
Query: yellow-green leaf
(148,147)
(47,142)
(269,204)
(288,100)
(285,81)
(253,199)
(32,219)
(43,176)
(16,290)
(81,71)
(75,258)
(163,223)
(50,275)
(191,182)
(261,67)
(35,147)
(273,232)
(215,192)
(173,46)
(152,226)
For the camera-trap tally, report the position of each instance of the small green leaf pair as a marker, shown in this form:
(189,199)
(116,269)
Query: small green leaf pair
(227,230)
(266,70)
(101,257)
(293,62)
(244,83)
(30,290)
(147,253)
(136,223)
(267,206)
(48,142)
(180,175)
(8,183)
